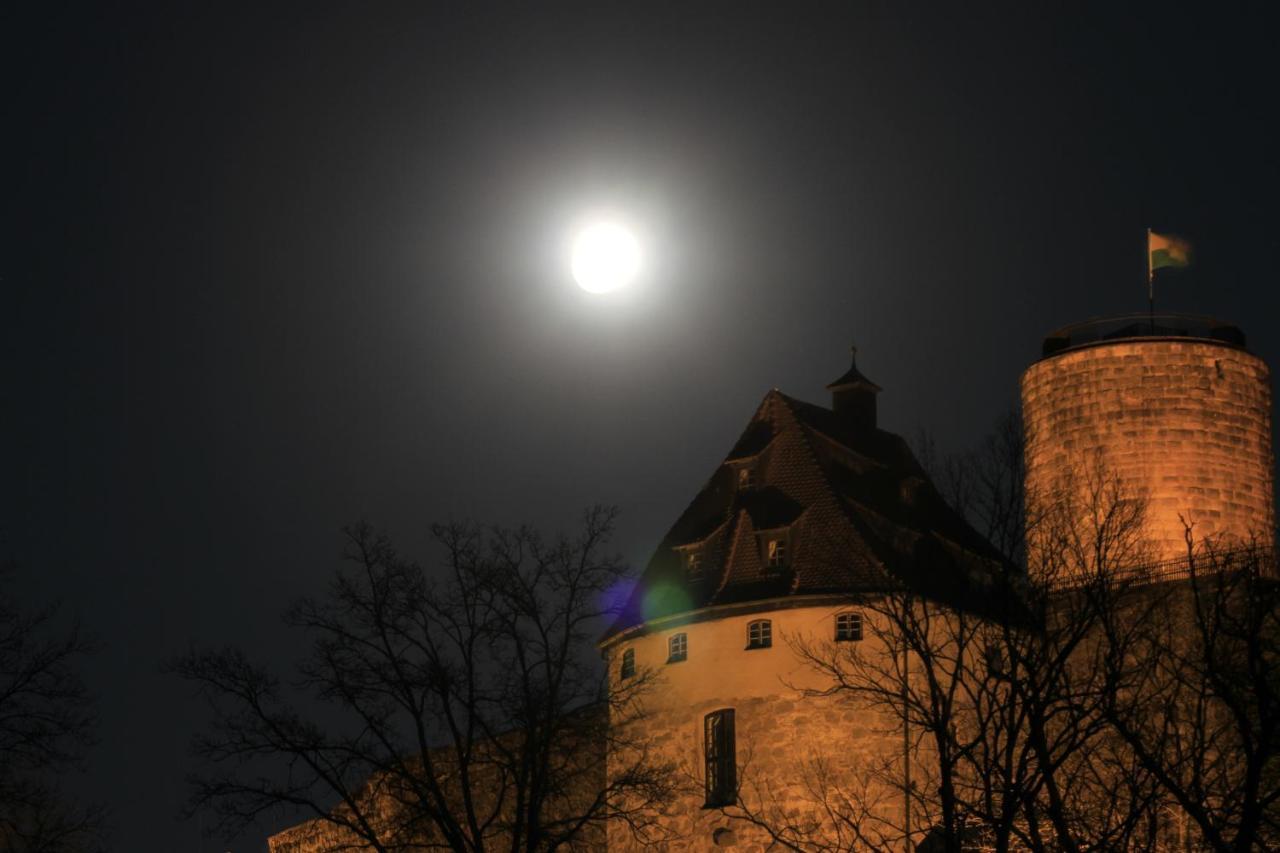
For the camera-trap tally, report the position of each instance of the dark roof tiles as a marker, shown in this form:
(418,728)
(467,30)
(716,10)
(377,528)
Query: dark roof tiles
(861,513)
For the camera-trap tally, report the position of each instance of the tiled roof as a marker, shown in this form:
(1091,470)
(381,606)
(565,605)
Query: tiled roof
(860,513)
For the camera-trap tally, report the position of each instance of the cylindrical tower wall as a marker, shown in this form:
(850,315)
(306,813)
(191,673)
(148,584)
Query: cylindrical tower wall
(1183,422)
(780,732)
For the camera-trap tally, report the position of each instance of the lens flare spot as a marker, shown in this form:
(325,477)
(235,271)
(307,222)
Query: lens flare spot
(664,599)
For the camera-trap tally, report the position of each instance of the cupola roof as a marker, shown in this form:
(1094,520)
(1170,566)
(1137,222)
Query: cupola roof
(853,378)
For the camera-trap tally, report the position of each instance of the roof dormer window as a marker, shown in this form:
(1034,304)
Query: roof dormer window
(746,477)
(776,551)
(693,562)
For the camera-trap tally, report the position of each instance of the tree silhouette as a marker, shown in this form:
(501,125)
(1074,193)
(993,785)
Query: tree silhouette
(46,725)
(463,709)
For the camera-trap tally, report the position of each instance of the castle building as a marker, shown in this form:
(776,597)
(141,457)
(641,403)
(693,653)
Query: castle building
(814,509)
(815,512)
(811,509)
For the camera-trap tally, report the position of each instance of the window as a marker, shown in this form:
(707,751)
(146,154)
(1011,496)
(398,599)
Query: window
(628,663)
(746,477)
(722,771)
(693,559)
(760,634)
(776,551)
(848,627)
(677,648)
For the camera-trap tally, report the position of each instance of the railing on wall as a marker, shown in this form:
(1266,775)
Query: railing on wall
(1126,326)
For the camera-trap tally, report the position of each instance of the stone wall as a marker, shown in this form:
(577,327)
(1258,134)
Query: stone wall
(789,747)
(1185,424)
(401,819)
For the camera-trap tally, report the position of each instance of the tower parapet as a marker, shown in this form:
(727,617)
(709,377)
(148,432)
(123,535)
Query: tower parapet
(1173,408)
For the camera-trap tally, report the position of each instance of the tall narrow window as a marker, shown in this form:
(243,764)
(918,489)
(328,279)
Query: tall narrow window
(760,634)
(776,551)
(693,559)
(628,663)
(722,771)
(677,648)
(848,627)
(746,477)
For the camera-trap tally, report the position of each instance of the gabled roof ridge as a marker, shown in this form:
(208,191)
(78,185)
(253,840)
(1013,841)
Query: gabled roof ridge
(794,586)
(732,533)
(788,405)
(731,552)
(826,481)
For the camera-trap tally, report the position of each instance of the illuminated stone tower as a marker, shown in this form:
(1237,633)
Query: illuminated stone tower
(1173,407)
(813,511)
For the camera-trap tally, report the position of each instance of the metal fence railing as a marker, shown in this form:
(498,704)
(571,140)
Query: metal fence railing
(1121,327)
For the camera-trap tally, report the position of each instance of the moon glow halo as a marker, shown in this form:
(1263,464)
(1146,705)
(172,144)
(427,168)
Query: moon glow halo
(605,257)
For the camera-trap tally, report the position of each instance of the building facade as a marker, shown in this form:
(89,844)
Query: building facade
(813,510)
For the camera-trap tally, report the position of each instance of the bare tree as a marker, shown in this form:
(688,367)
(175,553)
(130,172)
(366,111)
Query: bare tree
(46,723)
(463,709)
(1000,690)
(1194,694)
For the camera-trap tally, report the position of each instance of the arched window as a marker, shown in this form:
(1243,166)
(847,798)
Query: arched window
(720,751)
(848,627)
(677,648)
(760,634)
(628,663)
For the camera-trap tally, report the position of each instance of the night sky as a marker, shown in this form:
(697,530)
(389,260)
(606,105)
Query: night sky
(268,272)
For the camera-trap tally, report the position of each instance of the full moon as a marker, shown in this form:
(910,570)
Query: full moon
(605,257)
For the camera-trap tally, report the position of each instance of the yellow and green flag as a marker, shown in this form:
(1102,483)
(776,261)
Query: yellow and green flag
(1165,250)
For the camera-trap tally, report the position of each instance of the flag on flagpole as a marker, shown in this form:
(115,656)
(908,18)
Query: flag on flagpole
(1165,250)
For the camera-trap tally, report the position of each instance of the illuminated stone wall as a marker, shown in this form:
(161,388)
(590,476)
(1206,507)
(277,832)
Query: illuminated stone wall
(1184,423)
(785,741)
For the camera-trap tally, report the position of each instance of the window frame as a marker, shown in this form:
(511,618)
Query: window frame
(777,557)
(747,479)
(854,633)
(627,669)
(760,634)
(681,640)
(720,760)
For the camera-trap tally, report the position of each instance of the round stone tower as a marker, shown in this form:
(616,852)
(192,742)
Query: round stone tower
(1174,409)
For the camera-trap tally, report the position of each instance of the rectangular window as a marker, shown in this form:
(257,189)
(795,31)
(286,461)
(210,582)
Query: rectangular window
(694,561)
(848,627)
(760,634)
(628,663)
(677,648)
(777,553)
(722,771)
(746,477)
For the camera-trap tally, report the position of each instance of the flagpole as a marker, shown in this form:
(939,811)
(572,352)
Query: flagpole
(1151,287)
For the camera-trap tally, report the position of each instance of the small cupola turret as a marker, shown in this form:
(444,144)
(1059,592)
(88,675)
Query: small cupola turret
(853,396)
